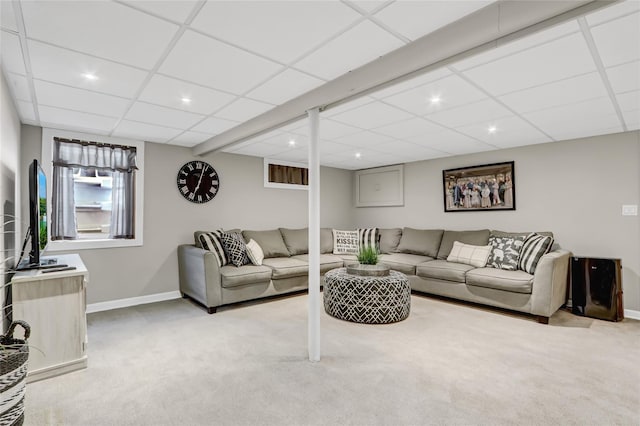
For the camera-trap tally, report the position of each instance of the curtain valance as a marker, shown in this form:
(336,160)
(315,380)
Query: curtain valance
(77,153)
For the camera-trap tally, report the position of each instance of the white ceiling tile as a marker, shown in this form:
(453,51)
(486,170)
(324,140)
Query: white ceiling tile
(154,114)
(510,132)
(107,29)
(11,53)
(632,119)
(66,67)
(484,111)
(407,150)
(7,16)
(408,128)
(189,139)
(367,5)
(173,10)
(169,92)
(329,147)
(553,61)
(328,129)
(412,83)
(576,120)
(19,87)
(450,142)
(372,115)
(145,132)
(75,120)
(506,49)
(350,50)
(222,67)
(243,109)
(452,91)
(66,97)
(363,139)
(214,125)
(285,86)
(618,41)
(282,30)
(629,101)
(25,111)
(624,78)
(562,92)
(413,19)
(259,150)
(297,155)
(613,11)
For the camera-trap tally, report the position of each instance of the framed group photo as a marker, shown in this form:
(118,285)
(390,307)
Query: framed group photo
(487,187)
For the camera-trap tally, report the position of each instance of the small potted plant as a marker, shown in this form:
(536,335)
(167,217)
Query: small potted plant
(368,263)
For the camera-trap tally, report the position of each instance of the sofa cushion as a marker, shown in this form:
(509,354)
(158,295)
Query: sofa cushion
(247,274)
(286,267)
(534,247)
(327,261)
(345,242)
(403,262)
(211,241)
(389,239)
(499,279)
(348,259)
(443,270)
(425,242)
(296,240)
(235,248)
(270,241)
(505,250)
(476,238)
(256,256)
(326,240)
(469,255)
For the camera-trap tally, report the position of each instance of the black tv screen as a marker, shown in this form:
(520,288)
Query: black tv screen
(37,211)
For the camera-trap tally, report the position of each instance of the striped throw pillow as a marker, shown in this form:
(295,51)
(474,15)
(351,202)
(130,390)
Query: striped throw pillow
(534,247)
(369,237)
(212,241)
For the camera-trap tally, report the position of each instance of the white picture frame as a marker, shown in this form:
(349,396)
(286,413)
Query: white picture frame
(380,187)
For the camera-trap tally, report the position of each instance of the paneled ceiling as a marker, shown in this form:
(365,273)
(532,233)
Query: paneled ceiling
(181,72)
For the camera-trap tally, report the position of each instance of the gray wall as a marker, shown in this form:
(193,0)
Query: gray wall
(574,188)
(9,181)
(169,219)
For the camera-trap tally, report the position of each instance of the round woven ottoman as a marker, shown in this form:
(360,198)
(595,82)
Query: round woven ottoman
(369,300)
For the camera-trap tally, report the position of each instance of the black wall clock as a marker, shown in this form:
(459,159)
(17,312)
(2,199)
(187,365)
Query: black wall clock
(198,182)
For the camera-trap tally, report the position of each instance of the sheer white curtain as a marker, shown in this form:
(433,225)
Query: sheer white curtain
(120,160)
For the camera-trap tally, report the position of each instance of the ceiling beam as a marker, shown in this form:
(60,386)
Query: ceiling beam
(490,27)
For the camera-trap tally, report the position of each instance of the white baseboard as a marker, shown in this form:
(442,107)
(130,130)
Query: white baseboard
(132,301)
(631,314)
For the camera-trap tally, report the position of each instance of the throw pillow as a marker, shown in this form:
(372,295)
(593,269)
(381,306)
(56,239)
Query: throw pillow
(345,242)
(505,250)
(534,247)
(369,237)
(469,255)
(255,252)
(212,241)
(235,248)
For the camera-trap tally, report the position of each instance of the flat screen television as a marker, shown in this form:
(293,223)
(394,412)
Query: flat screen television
(37,233)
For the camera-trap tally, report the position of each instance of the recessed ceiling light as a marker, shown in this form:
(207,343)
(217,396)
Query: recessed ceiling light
(358,155)
(186,100)
(90,76)
(435,100)
(492,129)
(292,143)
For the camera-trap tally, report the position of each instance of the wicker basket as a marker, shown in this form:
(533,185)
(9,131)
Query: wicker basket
(14,354)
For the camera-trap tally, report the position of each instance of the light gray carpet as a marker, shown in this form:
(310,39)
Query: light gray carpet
(172,364)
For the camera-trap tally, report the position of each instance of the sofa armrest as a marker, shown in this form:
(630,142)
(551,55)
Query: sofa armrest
(199,275)
(549,290)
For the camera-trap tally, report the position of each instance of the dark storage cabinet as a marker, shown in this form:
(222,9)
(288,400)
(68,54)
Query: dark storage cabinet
(596,288)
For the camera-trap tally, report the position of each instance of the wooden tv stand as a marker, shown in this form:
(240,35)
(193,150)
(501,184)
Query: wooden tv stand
(54,305)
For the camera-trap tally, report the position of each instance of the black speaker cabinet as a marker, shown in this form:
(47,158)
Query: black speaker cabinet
(596,288)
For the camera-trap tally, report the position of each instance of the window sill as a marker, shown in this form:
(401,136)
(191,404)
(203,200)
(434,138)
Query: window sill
(86,244)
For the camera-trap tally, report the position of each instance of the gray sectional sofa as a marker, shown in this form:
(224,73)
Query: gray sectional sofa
(420,254)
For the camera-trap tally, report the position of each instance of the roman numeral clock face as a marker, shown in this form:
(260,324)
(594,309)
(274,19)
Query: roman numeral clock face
(198,182)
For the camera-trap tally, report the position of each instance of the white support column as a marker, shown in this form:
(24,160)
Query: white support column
(314,236)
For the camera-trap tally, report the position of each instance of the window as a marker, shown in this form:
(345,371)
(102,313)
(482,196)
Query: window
(282,174)
(96,191)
